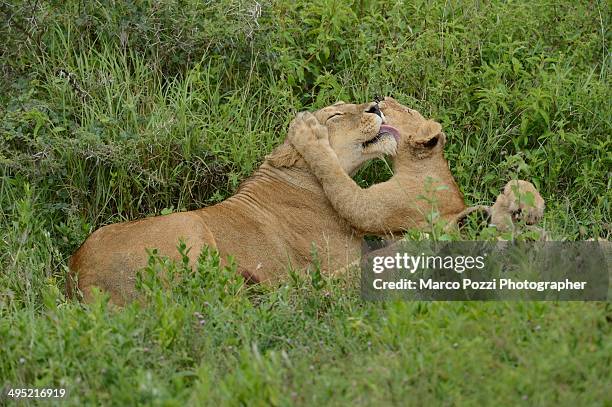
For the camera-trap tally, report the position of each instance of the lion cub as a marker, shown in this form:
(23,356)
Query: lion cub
(421,183)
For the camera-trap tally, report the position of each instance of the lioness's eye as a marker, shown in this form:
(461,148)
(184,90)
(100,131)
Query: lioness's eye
(334,115)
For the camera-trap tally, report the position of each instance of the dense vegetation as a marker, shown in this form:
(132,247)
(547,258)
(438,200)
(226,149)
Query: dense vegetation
(117,110)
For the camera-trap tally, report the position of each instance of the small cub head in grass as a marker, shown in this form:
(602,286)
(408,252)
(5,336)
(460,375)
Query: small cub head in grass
(519,204)
(520,201)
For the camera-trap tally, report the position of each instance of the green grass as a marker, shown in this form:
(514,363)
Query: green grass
(115,111)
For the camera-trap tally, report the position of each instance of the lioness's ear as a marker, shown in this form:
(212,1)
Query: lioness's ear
(338,103)
(283,156)
(430,135)
(434,141)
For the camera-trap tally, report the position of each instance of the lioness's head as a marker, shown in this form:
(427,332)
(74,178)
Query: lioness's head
(357,133)
(419,138)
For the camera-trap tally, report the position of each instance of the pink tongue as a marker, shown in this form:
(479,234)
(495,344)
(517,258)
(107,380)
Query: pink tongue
(385,128)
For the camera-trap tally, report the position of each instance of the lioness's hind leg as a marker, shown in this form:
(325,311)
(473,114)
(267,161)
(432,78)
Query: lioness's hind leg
(111,257)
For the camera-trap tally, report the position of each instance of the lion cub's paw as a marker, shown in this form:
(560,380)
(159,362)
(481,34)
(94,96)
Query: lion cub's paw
(305,130)
(520,201)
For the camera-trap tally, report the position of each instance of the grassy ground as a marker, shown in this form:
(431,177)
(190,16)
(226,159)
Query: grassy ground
(118,110)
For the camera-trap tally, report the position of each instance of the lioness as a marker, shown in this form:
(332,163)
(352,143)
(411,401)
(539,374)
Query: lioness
(279,212)
(421,181)
(270,223)
(421,178)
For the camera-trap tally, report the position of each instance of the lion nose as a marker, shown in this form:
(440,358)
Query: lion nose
(374,109)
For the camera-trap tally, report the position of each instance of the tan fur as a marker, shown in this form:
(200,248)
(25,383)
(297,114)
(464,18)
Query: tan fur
(274,219)
(514,205)
(421,181)
(279,213)
(399,204)
(511,206)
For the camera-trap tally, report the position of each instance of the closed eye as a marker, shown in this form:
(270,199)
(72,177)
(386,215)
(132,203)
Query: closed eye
(334,115)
